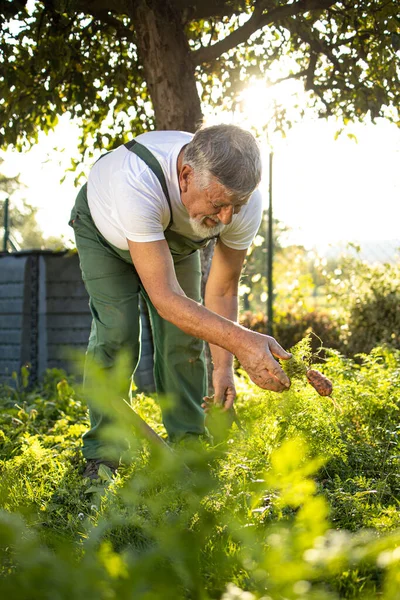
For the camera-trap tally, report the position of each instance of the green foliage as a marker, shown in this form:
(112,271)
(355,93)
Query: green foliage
(290,327)
(253,279)
(301,359)
(295,280)
(22,223)
(349,304)
(79,58)
(300,503)
(299,296)
(24,228)
(40,435)
(57,59)
(8,185)
(368,297)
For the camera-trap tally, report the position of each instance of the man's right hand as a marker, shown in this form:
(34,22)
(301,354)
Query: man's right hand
(256,356)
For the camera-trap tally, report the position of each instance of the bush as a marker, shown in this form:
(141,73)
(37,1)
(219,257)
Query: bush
(362,311)
(290,327)
(372,303)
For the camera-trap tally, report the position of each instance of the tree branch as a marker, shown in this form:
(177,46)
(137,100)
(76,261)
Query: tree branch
(297,75)
(257,21)
(206,9)
(9,10)
(309,85)
(108,19)
(320,95)
(102,11)
(317,46)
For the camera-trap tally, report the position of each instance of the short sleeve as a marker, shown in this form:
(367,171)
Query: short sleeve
(240,233)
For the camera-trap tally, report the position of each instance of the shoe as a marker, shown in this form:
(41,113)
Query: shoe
(93,465)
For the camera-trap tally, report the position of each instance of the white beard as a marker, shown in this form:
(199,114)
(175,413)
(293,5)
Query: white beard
(204,232)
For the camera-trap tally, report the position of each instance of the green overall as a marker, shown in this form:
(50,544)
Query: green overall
(114,286)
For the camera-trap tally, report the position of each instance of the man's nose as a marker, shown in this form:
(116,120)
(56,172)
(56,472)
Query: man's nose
(225,214)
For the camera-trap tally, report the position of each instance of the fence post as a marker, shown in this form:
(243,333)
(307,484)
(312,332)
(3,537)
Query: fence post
(6,229)
(270,253)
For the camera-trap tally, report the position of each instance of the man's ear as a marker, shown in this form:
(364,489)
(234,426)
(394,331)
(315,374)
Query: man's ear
(185,176)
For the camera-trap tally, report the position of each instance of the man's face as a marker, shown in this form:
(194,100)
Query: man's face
(210,208)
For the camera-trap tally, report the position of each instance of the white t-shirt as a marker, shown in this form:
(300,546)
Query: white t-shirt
(126,199)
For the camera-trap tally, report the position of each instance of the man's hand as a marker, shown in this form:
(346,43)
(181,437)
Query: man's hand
(257,358)
(224,389)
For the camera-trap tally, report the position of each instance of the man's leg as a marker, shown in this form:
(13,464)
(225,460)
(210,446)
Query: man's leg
(113,287)
(179,365)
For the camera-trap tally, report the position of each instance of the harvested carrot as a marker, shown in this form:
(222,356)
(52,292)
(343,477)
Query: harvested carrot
(319,382)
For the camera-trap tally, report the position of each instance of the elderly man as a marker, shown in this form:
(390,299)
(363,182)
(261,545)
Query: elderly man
(148,207)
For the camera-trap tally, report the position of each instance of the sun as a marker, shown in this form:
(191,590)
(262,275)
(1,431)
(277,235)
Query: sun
(262,104)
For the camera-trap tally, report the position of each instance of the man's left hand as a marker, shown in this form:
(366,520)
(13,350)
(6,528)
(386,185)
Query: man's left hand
(224,388)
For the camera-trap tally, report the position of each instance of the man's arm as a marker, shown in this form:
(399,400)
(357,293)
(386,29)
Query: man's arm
(255,351)
(221,296)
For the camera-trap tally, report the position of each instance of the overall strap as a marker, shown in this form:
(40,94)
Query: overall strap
(153,164)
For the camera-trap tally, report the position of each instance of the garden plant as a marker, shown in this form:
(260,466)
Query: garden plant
(301,501)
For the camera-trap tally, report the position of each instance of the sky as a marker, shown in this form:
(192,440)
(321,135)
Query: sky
(326,191)
(343,190)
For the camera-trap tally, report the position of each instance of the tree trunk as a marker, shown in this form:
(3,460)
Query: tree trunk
(169,72)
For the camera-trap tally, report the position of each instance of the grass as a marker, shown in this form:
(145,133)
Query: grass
(302,503)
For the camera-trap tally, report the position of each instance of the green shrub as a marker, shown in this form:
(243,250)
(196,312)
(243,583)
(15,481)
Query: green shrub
(362,310)
(368,298)
(291,327)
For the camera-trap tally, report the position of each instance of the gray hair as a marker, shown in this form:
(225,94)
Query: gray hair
(228,153)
